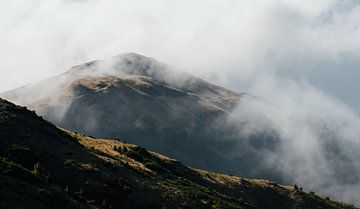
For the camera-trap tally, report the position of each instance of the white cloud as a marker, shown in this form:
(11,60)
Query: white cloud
(228,38)
(319,135)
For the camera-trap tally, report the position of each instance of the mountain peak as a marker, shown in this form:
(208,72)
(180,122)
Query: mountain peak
(121,65)
(132,56)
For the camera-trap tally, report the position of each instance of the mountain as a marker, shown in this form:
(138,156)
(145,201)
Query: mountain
(141,100)
(42,166)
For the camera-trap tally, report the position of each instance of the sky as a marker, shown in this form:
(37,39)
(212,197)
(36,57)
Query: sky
(301,55)
(228,42)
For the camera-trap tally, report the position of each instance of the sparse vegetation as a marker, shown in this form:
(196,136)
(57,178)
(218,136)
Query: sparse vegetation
(69,162)
(37,169)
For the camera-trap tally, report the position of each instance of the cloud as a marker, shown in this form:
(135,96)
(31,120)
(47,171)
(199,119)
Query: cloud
(213,38)
(228,42)
(319,136)
(290,52)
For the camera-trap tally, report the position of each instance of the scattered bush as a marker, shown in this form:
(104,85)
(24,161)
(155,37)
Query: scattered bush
(69,162)
(107,163)
(153,165)
(41,191)
(124,150)
(37,169)
(47,178)
(66,189)
(91,202)
(126,189)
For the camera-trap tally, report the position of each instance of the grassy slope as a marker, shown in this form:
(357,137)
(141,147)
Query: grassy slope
(42,166)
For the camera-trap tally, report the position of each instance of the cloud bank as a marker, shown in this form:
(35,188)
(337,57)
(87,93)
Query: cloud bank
(228,42)
(319,136)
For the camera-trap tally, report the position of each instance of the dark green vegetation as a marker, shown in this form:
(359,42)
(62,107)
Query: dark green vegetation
(42,166)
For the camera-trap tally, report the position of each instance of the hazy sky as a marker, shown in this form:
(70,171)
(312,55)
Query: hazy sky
(231,42)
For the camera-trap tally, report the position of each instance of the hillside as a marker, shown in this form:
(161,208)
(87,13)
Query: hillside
(142,101)
(43,166)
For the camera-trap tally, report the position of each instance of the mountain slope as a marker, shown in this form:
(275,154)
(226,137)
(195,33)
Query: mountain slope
(142,101)
(43,166)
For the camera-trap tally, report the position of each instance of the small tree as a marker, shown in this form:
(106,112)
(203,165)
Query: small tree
(47,178)
(66,188)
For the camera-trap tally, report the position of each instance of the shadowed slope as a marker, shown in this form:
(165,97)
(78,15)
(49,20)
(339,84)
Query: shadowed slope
(45,167)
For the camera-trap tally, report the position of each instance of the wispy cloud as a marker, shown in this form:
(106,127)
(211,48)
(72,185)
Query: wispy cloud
(319,136)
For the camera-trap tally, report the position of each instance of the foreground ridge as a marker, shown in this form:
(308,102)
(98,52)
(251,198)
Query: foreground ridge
(43,166)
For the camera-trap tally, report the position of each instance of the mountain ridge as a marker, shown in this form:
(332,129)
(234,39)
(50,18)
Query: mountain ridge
(137,98)
(43,166)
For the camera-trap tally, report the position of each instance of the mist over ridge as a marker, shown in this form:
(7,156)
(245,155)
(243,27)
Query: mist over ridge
(311,140)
